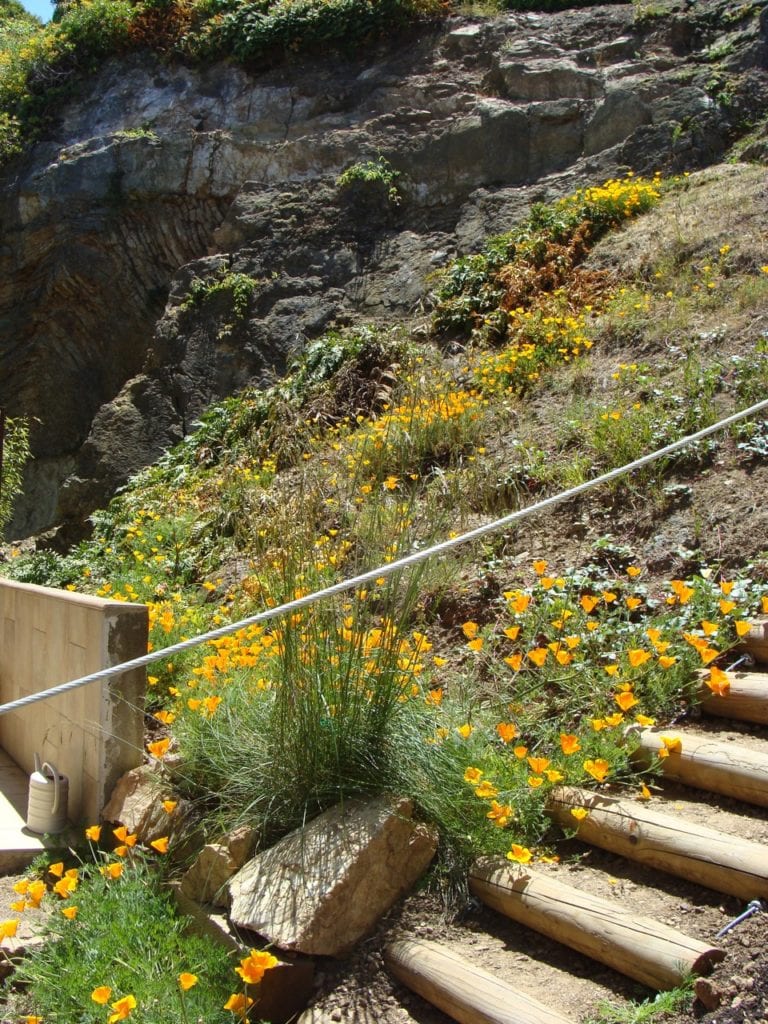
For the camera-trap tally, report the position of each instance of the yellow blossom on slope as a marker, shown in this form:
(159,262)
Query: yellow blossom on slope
(519,854)
(255,965)
(486,790)
(506,731)
(597,768)
(626,699)
(122,1008)
(569,743)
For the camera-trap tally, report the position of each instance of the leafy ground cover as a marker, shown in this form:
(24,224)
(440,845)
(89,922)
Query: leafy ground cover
(485,678)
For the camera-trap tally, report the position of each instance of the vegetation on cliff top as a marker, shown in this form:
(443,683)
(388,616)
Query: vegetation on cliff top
(43,65)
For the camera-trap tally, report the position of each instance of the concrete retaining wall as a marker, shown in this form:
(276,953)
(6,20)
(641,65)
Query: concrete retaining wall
(92,734)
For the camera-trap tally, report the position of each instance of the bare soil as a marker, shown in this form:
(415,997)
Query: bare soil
(360,990)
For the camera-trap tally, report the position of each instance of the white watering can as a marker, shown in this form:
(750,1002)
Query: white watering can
(48,796)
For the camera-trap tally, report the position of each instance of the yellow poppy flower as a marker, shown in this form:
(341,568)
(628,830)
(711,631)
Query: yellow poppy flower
(159,748)
(506,731)
(637,656)
(569,743)
(718,682)
(486,790)
(122,1008)
(520,854)
(255,965)
(239,1004)
(597,768)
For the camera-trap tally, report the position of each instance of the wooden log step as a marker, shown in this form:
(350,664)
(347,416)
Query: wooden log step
(756,640)
(644,949)
(708,763)
(718,860)
(466,993)
(746,701)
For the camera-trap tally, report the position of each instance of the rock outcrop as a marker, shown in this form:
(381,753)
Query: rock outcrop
(163,176)
(323,887)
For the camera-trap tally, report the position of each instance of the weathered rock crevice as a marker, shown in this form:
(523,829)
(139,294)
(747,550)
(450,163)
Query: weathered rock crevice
(163,175)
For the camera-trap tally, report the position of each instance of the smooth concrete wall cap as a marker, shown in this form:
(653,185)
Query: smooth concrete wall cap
(73,597)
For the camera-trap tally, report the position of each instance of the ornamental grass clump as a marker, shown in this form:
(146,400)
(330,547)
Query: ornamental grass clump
(311,701)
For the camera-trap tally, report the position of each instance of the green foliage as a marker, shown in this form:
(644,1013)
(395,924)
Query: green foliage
(127,936)
(649,1010)
(240,288)
(48,61)
(536,256)
(14,457)
(377,172)
(10,136)
(267,31)
(12,10)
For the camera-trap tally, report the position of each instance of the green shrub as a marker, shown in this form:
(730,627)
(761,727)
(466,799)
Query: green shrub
(13,458)
(376,173)
(263,31)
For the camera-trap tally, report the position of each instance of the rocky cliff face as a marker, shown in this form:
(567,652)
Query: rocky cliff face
(125,235)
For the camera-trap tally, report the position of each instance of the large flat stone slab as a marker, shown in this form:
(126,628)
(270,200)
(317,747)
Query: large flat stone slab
(322,888)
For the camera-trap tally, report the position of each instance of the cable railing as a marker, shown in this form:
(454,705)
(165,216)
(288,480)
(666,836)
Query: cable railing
(383,570)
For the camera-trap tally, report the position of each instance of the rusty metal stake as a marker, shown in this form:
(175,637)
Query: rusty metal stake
(752,908)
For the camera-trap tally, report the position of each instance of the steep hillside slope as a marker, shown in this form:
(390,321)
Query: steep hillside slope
(167,180)
(599,328)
